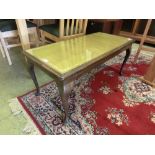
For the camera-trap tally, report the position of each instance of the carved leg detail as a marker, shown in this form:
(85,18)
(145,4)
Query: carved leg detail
(33,76)
(128,51)
(65,103)
(65,90)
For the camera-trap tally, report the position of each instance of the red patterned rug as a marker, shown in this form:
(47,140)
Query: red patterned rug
(102,102)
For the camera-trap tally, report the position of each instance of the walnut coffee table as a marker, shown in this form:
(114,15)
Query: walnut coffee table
(66,60)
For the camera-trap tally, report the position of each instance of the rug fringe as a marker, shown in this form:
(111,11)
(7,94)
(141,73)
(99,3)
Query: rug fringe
(14,106)
(16,109)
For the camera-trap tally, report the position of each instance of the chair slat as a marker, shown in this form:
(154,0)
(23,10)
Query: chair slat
(61,28)
(85,25)
(76,26)
(80,25)
(72,27)
(67,27)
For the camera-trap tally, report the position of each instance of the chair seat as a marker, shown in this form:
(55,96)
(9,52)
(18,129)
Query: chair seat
(2,20)
(10,25)
(51,28)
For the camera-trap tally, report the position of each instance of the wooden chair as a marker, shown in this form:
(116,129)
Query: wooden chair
(8,30)
(1,47)
(65,29)
(149,76)
(141,47)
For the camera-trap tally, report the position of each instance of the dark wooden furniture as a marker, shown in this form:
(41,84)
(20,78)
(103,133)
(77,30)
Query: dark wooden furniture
(111,26)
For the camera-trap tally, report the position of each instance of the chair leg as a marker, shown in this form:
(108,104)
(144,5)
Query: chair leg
(42,37)
(36,37)
(2,50)
(5,49)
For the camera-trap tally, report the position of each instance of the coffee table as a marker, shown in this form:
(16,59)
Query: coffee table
(66,60)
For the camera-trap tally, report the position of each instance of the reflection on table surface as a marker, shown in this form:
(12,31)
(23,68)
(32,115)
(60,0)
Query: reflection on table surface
(66,55)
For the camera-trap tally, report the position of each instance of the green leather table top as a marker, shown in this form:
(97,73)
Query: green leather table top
(65,56)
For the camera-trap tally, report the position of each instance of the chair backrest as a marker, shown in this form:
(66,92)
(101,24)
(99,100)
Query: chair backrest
(70,28)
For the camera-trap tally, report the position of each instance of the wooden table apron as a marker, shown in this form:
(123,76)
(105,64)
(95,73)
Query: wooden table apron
(65,84)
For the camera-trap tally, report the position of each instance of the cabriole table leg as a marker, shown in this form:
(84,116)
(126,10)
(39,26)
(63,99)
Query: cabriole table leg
(65,90)
(128,52)
(33,76)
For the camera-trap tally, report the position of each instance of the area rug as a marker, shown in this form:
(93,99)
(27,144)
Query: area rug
(102,102)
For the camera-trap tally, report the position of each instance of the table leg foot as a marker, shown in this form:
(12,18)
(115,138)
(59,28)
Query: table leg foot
(128,51)
(37,93)
(65,119)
